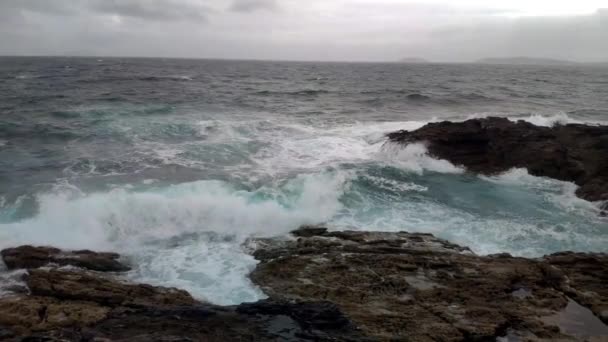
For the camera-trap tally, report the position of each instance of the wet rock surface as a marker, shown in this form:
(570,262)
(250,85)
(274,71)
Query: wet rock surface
(36,257)
(415,287)
(86,305)
(332,286)
(573,152)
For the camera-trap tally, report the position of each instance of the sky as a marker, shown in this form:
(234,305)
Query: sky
(320,30)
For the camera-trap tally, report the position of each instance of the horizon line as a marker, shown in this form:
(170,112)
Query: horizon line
(397,61)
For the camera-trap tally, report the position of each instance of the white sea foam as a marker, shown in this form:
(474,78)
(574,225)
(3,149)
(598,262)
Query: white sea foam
(142,225)
(263,147)
(3,142)
(394,185)
(562,194)
(548,121)
(520,176)
(189,235)
(536,119)
(306,147)
(415,158)
(11,280)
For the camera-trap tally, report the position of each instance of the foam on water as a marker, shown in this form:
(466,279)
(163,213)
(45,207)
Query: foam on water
(415,158)
(284,174)
(187,235)
(560,118)
(560,193)
(299,146)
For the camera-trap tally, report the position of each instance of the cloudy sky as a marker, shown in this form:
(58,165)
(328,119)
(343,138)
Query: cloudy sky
(355,30)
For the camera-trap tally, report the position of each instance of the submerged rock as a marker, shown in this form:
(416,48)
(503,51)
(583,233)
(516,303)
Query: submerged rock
(36,257)
(415,287)
(575,153)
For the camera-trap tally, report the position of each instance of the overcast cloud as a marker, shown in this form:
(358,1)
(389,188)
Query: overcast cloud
(359,30)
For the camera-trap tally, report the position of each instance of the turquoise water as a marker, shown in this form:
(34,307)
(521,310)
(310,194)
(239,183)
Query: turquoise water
(178,170)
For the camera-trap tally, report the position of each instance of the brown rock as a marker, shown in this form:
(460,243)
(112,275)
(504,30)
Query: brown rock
(81,286)
(36,257)
(587,279)
(32,313)
(84,306)
(415,287)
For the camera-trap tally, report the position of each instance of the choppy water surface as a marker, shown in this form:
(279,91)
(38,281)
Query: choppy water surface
(175,163)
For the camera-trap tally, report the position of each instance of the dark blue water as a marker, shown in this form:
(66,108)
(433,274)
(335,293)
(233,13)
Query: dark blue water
(175,163)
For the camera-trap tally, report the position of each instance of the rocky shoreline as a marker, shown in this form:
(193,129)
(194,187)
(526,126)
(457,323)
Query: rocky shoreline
(574,152)
(326,285)
(322,286)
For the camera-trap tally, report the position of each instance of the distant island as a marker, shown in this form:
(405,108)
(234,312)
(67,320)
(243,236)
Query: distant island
(525,61)
(413,60)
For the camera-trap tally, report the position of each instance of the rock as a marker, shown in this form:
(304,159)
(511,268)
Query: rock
(415,287)
(261,321)
(5,334)
(33,313)
(82,286)
(308,231)
(333,286)
(81,305)
(587,276)
(575,153)
(36,257)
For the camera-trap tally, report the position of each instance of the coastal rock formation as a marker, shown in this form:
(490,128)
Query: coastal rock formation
(84,305)
(415,287)
(331,286)
(573,152)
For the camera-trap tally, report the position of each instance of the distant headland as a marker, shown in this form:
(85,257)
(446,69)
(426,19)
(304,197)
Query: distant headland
(525,61)
(414,60)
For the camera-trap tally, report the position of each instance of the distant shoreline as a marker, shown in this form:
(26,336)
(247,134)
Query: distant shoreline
(523,61)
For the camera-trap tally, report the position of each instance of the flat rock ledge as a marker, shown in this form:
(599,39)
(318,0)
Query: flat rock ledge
(416,287)
(574,152)
(330,286)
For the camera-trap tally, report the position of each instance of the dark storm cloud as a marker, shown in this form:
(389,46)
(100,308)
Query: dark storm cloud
(253,5)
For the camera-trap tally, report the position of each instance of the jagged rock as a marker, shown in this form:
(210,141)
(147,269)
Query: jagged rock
(415,287)
(573,152)
(36,257)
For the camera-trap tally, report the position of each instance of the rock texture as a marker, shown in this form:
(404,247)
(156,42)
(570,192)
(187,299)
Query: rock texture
(415,287)
(84,305)
(573,152)
(329,286)
(35,257)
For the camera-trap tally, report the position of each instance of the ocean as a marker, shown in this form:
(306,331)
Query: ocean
(176,163)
